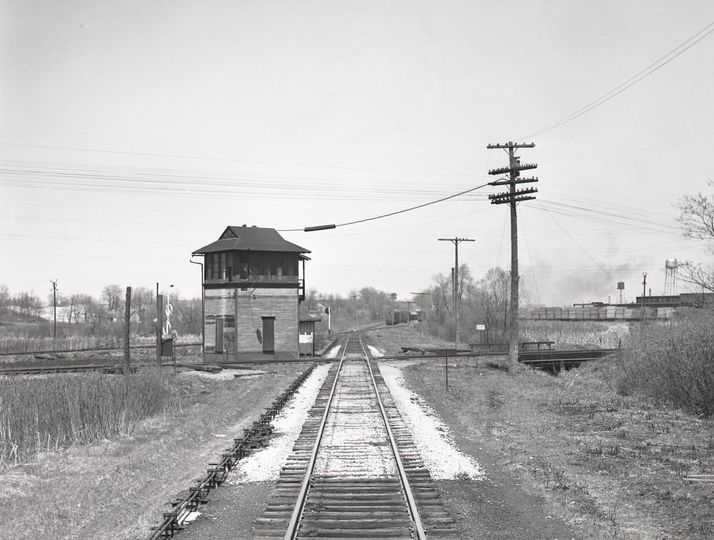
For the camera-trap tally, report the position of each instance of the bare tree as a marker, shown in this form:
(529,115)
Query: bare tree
(4,296)
(112,298)
(696,214)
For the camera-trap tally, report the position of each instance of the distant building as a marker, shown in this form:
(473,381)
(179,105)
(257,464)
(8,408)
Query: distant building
(253,286)
(679,300)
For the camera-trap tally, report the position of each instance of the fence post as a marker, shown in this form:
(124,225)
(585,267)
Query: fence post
(127,332)
(446,368)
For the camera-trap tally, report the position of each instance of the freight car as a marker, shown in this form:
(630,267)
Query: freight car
(396,316)
(595,313)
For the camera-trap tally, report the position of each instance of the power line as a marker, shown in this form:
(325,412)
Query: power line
(530,256)
(602,219)
(618,215)
(643,74)
(220,159)
(580,247)
(382,216)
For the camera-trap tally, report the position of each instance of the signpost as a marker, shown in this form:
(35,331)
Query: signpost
(446,353)
(480,328)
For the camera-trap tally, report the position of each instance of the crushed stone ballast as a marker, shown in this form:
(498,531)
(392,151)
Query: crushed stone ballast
(354,470)
(184,509)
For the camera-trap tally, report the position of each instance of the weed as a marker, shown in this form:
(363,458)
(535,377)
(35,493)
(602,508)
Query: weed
(40,414)
(494,399)
(671,362)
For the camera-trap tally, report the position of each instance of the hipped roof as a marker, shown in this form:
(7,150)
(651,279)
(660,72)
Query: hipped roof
(251,239)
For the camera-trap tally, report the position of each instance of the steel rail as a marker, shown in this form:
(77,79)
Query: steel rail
(93,349)
(411,501)
(80,368)
(218,472)
(302,495)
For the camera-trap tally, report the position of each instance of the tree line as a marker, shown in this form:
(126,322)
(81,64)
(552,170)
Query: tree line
(81,313)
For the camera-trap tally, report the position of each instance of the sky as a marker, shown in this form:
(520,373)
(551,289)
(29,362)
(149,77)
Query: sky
(133,133)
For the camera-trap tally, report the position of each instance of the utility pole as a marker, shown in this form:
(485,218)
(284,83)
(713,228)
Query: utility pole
(159,323)
(127,332)
(644,289)
(354,297)
(512,197)
(203,312)
(455,288)
(54,309)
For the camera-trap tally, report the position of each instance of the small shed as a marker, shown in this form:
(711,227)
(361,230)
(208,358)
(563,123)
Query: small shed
(306,333)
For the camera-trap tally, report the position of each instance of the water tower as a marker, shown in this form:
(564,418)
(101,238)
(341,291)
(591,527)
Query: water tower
(670,277)
(620,291)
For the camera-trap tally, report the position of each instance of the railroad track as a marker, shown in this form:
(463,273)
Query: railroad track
(113,367)
(355,472)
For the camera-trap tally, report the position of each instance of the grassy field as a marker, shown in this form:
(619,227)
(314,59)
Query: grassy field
(48,413)
(613,466)
(608,335)
(17,343)
(119,486)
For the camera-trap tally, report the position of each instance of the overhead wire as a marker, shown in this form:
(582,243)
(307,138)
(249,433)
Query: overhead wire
(617,215)
(580,247)
(530,257)
(595,217)
(224,159)
(159,184)
(396,212)
(641,75)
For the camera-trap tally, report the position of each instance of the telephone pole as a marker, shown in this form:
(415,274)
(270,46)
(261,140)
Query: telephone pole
(644,290)
(455,288)
(54,309)
(512,197)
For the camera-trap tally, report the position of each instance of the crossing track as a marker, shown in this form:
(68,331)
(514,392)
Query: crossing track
(355,472)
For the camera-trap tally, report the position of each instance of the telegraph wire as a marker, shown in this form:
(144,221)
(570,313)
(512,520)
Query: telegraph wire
(223,159)
(602,220)
(500,242)
(606,217)
(580,247)
(196,184)
(610,214)
(643,74)
(647,213)
(525,239)
(382,216)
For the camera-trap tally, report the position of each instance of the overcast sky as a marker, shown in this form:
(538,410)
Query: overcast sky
(134,132)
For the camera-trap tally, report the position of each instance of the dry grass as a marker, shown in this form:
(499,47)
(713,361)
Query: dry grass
(565,334)
(118,488)
(43,413)
(612,465)
(20,342)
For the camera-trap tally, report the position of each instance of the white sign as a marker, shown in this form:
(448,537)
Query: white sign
(480,327)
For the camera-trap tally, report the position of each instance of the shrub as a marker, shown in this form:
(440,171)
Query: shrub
(673,361)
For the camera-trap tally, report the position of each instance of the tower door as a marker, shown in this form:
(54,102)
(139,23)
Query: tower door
(219,334)
(269,335)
